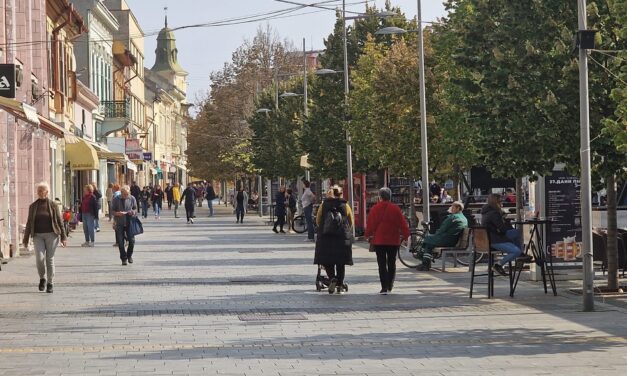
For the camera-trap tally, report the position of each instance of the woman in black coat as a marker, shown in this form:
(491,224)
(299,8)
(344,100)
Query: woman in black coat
(335,251)
(279,210)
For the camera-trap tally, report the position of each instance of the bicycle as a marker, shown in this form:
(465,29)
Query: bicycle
(299,223)
(410,254)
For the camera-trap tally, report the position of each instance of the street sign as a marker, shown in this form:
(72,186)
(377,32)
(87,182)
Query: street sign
(148,156)
(7,80)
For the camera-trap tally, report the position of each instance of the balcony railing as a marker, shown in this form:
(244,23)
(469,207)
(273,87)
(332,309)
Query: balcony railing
(116,109)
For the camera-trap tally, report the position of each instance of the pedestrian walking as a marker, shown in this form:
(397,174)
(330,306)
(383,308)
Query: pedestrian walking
(168,195)
(291,208)
(176,198)
(279,210)
(109,196)
(189,198)
(210,195)
(200,194)
(98,197)
(135,191)
(144,198)
(89,211)
(503,236)
(241,199)
(307,199)
(157,201)
(334,249)
(45,226)
(124,206)
(385,228)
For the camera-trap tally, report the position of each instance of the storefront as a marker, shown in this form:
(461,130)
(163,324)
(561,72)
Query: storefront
(82,164)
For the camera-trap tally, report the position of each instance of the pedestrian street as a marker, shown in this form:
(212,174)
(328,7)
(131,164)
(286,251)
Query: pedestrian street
(220,298)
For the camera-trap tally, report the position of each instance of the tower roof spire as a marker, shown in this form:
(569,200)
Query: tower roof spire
(167,53)
(166,16)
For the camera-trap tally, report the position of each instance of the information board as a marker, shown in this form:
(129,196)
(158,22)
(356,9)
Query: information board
(563,207)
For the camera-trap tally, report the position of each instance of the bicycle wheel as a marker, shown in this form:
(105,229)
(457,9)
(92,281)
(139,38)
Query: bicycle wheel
(299,225)
(408,254)
(466,259)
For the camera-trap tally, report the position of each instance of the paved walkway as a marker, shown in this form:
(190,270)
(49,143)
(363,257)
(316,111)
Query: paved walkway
(220,298)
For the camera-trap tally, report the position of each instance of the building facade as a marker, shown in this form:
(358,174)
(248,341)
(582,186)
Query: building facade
(36,48)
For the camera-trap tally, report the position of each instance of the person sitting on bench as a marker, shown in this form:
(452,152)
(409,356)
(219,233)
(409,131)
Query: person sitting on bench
(446,236)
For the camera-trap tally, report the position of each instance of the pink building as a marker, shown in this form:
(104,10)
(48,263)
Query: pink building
(31,145)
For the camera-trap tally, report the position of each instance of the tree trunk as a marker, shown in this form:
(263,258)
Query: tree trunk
(520,200)
(612,244)
(412,206)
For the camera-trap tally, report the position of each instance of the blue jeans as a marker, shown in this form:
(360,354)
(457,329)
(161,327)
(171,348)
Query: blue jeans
(210,205)
(239,213)
(144,209)
(512,249)
(157,208)
(309,220)
(88,226)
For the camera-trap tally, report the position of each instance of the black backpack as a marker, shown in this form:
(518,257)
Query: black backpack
(333,222)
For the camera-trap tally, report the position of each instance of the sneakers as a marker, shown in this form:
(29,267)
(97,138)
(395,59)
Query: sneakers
(97,229)
(339,290)
(130,260)
(499,269)
(86,244)
(275,230)
(191,220)
(42,284)
(383,292)
(282,232)
(91,244)
(332,285)
(124,262)
(49,288)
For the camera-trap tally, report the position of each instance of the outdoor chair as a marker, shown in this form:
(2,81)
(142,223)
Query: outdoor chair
(460,248)
(599,249)
(482,244)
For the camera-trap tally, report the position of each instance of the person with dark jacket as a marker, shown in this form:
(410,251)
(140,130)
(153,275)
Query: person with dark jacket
(241,199)
(144,199)
(503,236)
(189,198)
(385,228)
(168,195)
(335,250)
(89,212)
(98,197)
(279,210)
(447,234)
(157,201)
(135,191)
(210,195)
(45,226)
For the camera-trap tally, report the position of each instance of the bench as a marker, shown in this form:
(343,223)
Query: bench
(460,248)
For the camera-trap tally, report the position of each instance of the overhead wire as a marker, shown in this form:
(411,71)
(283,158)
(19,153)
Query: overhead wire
(608,71)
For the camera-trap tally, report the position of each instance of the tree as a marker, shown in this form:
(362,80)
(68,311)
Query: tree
(220,139)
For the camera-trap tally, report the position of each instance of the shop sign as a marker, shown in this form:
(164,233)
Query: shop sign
(148,156)
(7,80)
(134,150)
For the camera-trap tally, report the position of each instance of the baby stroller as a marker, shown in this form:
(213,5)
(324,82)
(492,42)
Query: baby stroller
(322,281)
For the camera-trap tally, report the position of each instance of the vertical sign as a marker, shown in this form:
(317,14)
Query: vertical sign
(134,150)
(7,80)
(563,195)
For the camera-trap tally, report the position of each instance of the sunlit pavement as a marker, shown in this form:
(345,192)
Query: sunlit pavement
(216,297)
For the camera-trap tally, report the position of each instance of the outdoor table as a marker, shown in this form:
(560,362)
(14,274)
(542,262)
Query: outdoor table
(542,255)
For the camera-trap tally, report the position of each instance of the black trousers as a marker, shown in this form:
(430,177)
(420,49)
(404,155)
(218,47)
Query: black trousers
(386,258)
(121,234)
(189,211)
(280,221)
(239,212)
(337,271)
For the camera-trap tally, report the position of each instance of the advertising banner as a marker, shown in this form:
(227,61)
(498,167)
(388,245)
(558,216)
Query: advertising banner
(134,150)
(7,80)
(563,195)
(148,156)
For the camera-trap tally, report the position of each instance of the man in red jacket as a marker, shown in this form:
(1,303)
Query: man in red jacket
(385,228)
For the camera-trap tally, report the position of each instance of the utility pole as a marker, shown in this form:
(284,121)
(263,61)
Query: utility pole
(586,208)
(426,216)
(305,108)
(349,151)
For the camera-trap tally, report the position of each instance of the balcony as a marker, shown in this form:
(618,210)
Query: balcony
(116,114)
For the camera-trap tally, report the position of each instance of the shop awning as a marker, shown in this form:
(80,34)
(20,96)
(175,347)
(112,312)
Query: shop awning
(81,156)
(29,114)
(109,155)
(131,166)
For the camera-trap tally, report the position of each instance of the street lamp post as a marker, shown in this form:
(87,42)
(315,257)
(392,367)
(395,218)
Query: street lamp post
(349,148)
(426,216)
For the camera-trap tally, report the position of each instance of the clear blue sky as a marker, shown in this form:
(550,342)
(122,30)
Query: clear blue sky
(202,50)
